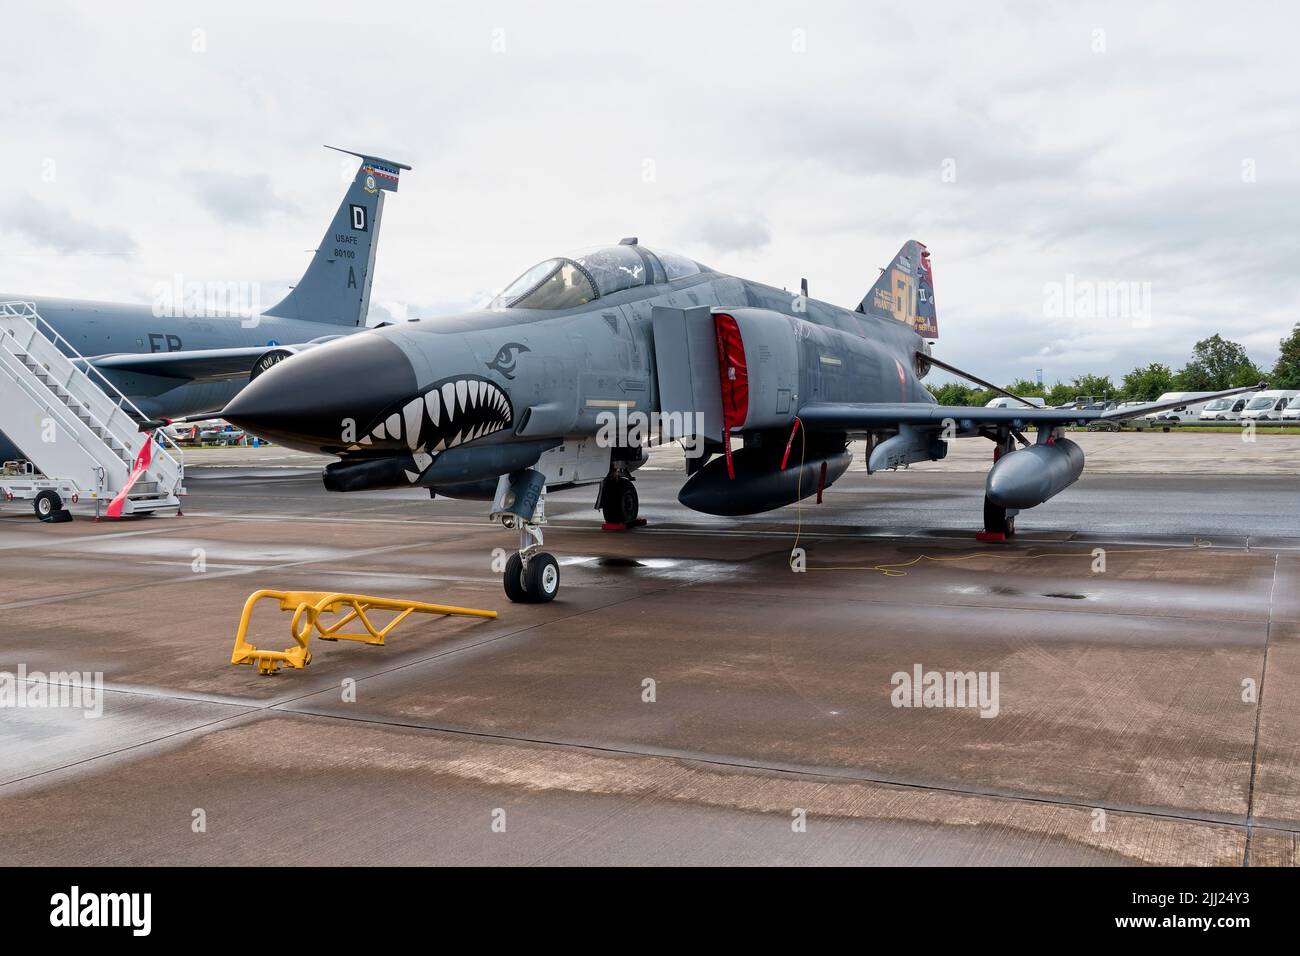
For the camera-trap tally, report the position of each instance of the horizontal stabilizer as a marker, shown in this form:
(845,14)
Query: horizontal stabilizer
(195,365)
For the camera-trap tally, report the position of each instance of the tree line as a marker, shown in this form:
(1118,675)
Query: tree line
(1216,364)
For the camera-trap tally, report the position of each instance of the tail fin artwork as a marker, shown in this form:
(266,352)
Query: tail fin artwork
(335,289)
(905,291)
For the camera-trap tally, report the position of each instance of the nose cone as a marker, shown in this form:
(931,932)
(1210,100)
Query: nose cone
(321,399)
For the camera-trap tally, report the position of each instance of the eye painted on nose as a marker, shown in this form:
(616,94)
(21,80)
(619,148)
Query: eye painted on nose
(506,357)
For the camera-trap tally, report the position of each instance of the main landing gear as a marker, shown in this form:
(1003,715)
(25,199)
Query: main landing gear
(618,500)
(532,576)
(998,520)
(619,503)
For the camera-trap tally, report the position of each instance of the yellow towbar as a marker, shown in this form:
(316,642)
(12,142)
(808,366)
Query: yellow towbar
(308,606)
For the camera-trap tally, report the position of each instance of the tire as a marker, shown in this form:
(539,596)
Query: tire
(619,501)
(542,577)
(48,505)
(513,579)
(996,520)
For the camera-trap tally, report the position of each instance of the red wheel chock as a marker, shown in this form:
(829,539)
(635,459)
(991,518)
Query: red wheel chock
(990,536)
(622,525)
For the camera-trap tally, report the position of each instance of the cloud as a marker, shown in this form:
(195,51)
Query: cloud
(735,232)
(767,158)
(48,227)
(242,200)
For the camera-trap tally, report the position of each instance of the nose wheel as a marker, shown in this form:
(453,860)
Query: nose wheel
(533,582)
(531,576)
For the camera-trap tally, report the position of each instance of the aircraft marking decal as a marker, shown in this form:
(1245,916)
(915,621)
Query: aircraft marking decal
(506,357)
(447,414)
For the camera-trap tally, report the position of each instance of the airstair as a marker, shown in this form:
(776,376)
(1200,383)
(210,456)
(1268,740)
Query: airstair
(80,434)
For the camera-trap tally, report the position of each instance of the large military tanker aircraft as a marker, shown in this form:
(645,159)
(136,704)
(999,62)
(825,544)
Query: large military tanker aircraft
(175,357)
(561,380)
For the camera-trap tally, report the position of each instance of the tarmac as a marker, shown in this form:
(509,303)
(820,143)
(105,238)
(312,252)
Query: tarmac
(688,698)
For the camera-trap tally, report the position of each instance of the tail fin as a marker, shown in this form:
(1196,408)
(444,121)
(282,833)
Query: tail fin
(905,291)
(335,289)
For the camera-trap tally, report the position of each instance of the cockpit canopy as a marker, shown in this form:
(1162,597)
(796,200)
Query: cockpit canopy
(570,281)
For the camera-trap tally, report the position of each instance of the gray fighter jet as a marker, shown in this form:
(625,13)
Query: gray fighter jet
(174,359)
(585,359)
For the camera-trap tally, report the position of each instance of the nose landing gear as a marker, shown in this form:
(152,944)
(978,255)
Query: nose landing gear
(532,576)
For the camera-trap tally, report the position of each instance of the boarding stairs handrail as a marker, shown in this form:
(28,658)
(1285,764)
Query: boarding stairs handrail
(167,458)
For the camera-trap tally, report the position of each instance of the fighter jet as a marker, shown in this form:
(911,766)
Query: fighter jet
(173,359)
(567,375)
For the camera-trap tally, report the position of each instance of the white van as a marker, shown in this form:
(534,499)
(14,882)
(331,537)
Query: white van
(1292,411)
(1002,401)
(1267,406)
(1226,409)
(1188,414)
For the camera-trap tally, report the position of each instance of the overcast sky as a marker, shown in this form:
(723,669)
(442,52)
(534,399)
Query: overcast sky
(1037,151)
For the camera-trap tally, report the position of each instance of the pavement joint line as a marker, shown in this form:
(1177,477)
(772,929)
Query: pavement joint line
(830,774)
(63,542)
(205,576)
(475,645)
(250,713)
(252,703)
(1259,713)
(249,707)
(251,710)
(27,778)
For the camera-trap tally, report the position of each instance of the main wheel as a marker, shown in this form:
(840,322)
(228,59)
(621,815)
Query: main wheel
(513,579)
(542,577)
(48,505)
(619,501)
(996,520)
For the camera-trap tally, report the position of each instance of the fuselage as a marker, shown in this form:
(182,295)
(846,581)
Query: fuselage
(415,393)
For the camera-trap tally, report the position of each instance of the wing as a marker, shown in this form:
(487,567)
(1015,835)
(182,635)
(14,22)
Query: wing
(195,365)
(855,418)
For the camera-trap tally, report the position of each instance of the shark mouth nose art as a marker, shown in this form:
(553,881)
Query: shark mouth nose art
(450,413)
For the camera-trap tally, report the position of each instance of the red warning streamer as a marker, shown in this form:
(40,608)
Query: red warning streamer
(142,461)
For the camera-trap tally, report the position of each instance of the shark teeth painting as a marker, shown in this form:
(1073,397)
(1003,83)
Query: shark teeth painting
(448,414)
